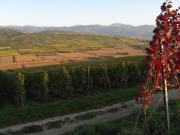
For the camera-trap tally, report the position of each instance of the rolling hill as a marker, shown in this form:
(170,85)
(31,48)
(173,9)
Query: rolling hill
(62,41)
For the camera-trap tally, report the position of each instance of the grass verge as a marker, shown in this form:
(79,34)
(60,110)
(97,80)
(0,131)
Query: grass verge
(11,115)
(130,126)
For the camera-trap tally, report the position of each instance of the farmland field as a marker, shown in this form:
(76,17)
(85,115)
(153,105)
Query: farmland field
(32,60)
(20,50)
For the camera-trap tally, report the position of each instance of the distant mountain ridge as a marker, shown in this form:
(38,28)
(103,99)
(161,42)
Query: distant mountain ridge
(123,30)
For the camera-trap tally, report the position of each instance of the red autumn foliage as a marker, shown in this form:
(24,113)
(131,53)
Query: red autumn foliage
(142,93)
(142,86)
(163,54)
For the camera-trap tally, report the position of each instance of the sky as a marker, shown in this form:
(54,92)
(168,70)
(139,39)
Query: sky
(79,12)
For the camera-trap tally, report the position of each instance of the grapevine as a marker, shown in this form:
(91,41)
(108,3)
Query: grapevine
(163,55)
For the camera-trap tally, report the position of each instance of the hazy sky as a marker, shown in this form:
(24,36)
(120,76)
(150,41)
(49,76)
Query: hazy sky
(75,12)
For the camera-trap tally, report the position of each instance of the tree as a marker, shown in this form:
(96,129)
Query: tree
(21,90)
(163,58)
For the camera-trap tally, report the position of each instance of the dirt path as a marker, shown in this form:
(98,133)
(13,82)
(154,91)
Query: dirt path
(103,115)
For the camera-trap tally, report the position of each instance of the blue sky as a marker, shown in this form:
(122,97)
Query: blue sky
(75,12)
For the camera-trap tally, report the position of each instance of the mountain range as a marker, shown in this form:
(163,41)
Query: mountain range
(123,30)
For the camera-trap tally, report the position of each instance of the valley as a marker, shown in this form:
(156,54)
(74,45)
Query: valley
(22,50)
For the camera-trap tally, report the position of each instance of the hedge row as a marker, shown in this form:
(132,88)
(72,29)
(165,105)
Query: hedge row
(66,81)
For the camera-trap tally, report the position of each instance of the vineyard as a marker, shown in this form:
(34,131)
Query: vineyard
(67,80)
(92,78)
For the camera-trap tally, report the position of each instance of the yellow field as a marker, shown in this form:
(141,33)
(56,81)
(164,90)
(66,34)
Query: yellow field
(60,45)
(132,41)
(90,46)
(9,53)
(4,48)
(33,51)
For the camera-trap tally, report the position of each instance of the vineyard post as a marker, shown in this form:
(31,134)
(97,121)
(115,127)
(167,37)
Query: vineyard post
(165,91)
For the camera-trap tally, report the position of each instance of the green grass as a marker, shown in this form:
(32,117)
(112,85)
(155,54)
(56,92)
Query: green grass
(11,115)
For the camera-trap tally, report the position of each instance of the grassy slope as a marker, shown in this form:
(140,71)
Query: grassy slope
(10,115)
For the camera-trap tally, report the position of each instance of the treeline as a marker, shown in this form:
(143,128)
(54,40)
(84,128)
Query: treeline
(68,80)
